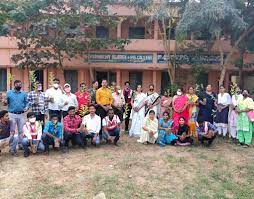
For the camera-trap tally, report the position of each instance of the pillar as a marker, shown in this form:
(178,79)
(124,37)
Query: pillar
(8,86)
(45,78)
(156,30)
(26,80)
(154,78)
(119,30)
(118,77)
(81,76)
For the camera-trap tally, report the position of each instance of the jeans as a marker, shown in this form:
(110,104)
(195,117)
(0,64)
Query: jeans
(76,139)
(12,141)
(47,141)
(115,133)
(19,121)
(26,144)
(57,112)
(202,139)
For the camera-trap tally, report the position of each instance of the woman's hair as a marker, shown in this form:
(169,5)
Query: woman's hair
(151,112)
(165,112)
(181,118)
(3,113)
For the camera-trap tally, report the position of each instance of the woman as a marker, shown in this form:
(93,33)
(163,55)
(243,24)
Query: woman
(193,110)
(149,132)
(183,133)
(138,102)
(166,102)
(165,134)
(180,107)
(222,104)
(244,125)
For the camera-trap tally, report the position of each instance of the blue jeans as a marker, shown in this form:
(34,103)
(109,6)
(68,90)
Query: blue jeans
(115,133)
(26,144)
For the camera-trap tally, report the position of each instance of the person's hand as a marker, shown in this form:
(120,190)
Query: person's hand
(66,103)
(151,133)
(135,109)
(34,148)
(79,129)
(45,117)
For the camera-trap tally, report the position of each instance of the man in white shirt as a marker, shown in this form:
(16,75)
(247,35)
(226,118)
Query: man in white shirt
(68,99)
(111,127)
(54,96)
(91,125)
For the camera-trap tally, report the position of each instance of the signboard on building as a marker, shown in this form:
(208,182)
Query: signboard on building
(190,59)
(121,58)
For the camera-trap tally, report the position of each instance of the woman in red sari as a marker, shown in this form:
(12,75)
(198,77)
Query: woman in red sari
(180,108)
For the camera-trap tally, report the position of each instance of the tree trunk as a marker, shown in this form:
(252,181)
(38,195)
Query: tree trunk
(241,77)
(91,73)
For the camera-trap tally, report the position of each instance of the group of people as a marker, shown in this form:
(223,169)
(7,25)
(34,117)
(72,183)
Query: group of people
(36,120)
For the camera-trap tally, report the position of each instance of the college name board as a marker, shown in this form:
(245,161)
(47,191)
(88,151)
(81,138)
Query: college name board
(121,58)
(190,59)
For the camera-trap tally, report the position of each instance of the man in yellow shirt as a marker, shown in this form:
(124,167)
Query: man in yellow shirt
(104,99)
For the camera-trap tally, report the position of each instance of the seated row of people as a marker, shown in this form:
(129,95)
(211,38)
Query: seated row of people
(74,129)
(160,132)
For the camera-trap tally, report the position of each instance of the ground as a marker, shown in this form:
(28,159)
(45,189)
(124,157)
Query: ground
(131,171)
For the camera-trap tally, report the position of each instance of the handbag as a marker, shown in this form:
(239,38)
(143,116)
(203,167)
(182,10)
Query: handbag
(251,116)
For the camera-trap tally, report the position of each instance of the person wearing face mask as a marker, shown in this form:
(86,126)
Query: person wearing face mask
(38,102)
(118,102)
(236,98)
(53,133)
(68,99)
(32,135)
(17,103)
(153,101)
(83,97)
(54,96)
(244,124)
(180,109)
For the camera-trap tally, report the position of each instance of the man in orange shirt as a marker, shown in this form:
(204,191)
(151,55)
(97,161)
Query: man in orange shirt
(104,99)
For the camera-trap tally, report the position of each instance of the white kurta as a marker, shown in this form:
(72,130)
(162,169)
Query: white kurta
(151,125)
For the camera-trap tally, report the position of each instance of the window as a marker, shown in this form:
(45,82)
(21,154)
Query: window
(136,33)
(102,32)
(71,77)
(135,79)
(3,79)
(109,76)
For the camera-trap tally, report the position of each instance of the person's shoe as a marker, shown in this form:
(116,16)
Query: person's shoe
(240,144)
(116,144)
(26,155)
(14,153)
(246,146)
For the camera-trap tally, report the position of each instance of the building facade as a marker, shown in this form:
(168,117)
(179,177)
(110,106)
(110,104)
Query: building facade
(141,62)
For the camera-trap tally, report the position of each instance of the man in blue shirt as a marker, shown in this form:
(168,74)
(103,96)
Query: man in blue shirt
(53,133)
(16,100)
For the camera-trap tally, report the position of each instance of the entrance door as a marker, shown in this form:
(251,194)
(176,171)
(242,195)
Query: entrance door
(39,76)
(109,76)
(71,77)
(165,82)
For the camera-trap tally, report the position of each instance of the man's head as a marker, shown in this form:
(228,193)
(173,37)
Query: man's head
(104,83)
(151,87)
(67,88)
(209,88)
(4,116)
(54,118)
(82,87)
(151,114)
(31,117)
(56,83)
(95,84)
(92,109)
(37,86)
(238,90)
(111,113)
(71,111)
(127,84)
(17,85)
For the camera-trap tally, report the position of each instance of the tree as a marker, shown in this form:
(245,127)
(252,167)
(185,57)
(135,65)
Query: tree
(51,31)
(166,13)
(222,19)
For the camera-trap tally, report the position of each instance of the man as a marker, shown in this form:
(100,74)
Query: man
(207,104)
(104,99)
(7,133)
(118,102)
(153,101)
(127,93)
(16,100)
(72,129)
(68,99)
(32,135)
(113,86)
(91,125)
(38,102)
(111,127)
(206,132)
(54,96)
(53,133)
(92,91)
(83,97)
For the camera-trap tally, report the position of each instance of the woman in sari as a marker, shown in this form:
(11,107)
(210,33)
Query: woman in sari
(193,111)
(165,134)
(138,102)
(244,125)
(166,102)
(180,109)
(149,132)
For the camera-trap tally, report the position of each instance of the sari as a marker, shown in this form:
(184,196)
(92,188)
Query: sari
(152,98)
(193,114)
(178,103)
(137,117)
(244,125)
(151,125)
(165,137)
(165,105)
